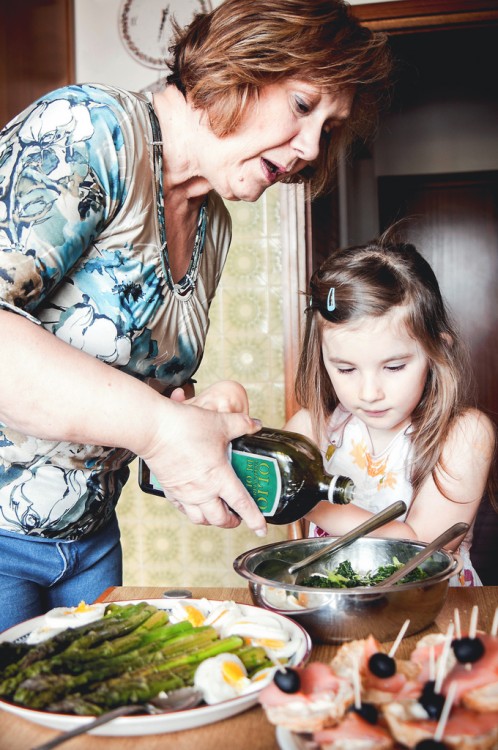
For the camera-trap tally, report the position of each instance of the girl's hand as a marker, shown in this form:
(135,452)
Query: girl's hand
(189,458)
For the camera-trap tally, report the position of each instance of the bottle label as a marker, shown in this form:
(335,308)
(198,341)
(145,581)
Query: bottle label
(260,476)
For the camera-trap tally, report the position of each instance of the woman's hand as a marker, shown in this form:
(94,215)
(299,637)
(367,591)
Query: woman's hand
(189,458)
(224,396)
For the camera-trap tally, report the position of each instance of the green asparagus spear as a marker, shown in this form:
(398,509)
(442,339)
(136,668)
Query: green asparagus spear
(113,630)
(38,692)
(46,656)
(253,658)
(10,653)
(149,645)
(62,640)
(126,657)
(133,690)
(44,688)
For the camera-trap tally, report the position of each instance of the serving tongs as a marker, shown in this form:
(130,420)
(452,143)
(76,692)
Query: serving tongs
(274,569)
(458,529)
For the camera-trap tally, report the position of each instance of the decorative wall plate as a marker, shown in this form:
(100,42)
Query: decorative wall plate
(145,27)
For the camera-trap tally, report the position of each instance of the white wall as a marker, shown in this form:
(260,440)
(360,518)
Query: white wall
(438,137)
(99,52)
(100,55)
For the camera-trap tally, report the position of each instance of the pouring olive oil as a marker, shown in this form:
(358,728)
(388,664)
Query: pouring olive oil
(282,471)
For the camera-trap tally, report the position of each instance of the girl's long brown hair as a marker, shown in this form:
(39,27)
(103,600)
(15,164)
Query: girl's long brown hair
(224,58)
(370,280)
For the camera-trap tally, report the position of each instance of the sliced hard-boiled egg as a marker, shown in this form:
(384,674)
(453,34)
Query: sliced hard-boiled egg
(223,615)
(72,617)
(60,618)
(260,679)
(271,636)
(221,678)
(195,613)
(42,634)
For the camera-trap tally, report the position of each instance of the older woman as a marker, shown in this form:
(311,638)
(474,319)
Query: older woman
(113,237)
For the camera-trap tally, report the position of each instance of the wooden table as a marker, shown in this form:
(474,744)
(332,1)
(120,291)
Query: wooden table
(249,730)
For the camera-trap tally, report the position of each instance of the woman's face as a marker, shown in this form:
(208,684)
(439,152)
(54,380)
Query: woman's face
(281,132)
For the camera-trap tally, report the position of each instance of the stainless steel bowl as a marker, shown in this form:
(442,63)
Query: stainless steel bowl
(338,615)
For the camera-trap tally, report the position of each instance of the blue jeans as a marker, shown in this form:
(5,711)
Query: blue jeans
(38,574)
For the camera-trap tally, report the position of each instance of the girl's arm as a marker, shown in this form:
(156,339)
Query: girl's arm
(54,391)
(467,458)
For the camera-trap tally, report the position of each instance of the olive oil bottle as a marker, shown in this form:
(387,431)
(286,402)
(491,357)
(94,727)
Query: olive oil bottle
(282,471)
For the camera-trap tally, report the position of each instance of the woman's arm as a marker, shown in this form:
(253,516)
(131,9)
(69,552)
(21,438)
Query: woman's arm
(53,391)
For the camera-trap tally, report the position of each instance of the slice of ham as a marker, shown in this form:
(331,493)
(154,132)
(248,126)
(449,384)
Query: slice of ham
(378,690)
(421,654)
(354,733)
(321,701)
(465,729)
(479,679)
(316,679)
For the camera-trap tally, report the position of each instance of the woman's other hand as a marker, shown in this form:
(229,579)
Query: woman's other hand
(224,396)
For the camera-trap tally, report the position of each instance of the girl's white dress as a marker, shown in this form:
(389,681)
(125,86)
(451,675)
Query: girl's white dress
(380,479)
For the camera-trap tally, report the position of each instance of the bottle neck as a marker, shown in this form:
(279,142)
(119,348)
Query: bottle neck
(341,490)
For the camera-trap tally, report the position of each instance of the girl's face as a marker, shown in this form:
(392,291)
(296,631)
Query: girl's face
(280,134)
(378,371)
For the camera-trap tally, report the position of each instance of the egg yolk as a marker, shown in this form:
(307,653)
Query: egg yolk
(259,676)
(270,643)
(232,673)
(194,616)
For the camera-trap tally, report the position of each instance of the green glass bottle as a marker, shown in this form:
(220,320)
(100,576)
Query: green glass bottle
(283,472)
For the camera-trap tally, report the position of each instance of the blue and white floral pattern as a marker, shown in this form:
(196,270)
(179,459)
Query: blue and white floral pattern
(83,253)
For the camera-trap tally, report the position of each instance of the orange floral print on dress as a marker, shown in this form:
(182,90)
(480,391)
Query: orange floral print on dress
(374,468)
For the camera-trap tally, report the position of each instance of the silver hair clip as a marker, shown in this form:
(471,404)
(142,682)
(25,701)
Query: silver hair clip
(331,299)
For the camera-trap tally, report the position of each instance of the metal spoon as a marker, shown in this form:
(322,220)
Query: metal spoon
(458,529)
(176,700)
(274,569)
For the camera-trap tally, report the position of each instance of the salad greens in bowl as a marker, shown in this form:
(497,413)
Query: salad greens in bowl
(341,601)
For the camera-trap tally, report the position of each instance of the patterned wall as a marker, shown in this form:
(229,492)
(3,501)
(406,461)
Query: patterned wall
(245,343)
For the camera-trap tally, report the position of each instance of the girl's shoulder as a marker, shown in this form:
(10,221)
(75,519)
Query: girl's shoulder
(472,427)
(468,453)
(301,422)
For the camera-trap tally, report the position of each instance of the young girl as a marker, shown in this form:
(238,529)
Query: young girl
(383,382)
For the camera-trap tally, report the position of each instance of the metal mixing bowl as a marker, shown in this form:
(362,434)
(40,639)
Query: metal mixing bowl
(338,615)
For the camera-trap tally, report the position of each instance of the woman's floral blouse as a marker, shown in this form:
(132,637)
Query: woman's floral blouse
(83,253)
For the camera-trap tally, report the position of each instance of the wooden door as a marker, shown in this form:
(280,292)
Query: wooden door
(453,221)
(36,51)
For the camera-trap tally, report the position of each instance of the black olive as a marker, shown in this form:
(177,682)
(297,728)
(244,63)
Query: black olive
(430,744)
(432,702)
(382,665)
(367,711)
(467,650)
(288,681)
(428,688)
